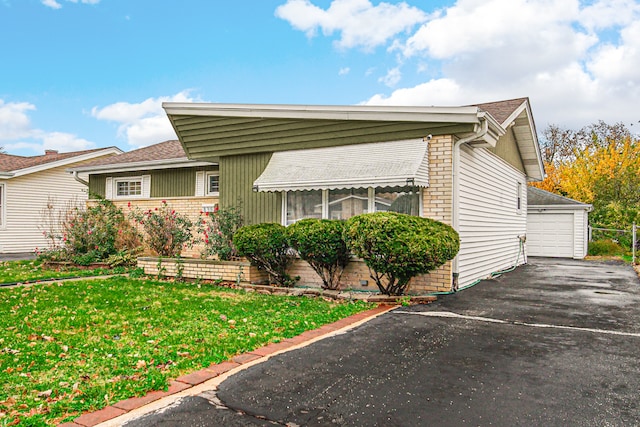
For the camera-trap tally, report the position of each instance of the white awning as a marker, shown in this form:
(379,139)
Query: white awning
(381,164)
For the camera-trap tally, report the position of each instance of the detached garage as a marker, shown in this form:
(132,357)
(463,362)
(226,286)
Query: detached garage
(556,226)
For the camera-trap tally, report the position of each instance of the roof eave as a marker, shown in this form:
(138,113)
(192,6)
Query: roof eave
(326,112)
(68,160)
(581,206)
(182,162)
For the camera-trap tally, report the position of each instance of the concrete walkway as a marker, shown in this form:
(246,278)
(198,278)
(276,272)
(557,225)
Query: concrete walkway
(552,343)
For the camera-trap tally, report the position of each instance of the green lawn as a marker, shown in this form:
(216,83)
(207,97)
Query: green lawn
(70,347)
(33,271)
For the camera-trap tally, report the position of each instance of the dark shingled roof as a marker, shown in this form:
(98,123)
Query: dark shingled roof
(11,163)
(163,151)
(538,197)
(501,110)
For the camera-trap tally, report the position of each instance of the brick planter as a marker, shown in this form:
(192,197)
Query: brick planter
(205,269)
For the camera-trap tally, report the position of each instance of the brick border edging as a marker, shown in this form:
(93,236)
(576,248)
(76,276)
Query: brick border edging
(193,379)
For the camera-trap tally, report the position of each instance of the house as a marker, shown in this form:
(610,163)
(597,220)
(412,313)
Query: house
(143,178)
(556,226)
(466,166)
(33,191)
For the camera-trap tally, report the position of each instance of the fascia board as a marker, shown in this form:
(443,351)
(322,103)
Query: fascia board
(360,112)
(143,165)
(69,160)
(577,207)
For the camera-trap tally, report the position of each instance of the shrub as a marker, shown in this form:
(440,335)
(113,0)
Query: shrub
(320,243)
(86,235)
(397,247)
(266,246)
(606,247)
(218,229)
(166,231)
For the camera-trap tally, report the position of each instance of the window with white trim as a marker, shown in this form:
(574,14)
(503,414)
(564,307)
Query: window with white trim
(2,204)
(345,203)
(128,187)
(213,183)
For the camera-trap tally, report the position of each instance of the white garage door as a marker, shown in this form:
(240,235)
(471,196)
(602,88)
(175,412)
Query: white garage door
(550,234)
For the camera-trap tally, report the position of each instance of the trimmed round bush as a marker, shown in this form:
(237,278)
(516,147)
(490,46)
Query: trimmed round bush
(398,247)
(320,243)
(267,247)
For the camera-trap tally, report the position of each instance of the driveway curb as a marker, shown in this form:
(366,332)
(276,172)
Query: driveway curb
(197,378)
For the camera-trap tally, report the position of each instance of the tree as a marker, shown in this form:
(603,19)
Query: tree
(598,164)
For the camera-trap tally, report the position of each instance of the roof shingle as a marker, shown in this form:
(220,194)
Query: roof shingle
(501,110)
(162,151)
(11,163)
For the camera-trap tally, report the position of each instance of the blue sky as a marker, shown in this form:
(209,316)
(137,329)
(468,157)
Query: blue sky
(79,74)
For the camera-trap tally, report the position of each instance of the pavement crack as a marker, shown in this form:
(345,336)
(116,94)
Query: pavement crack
(212,397)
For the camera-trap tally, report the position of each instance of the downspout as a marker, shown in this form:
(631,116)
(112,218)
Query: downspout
(455,214)
(80,180)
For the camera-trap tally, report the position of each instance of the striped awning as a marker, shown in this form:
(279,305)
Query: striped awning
(381,164)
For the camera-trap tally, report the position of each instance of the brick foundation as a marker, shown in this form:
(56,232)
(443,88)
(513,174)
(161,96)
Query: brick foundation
(205,269)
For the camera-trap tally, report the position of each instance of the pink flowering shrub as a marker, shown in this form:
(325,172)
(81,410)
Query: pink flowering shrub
(166,232)
(217,229)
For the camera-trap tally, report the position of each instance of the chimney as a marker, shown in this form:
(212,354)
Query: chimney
(50,152)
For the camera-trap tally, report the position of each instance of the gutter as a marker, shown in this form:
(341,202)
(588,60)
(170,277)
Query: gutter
(80,180)
(455,211)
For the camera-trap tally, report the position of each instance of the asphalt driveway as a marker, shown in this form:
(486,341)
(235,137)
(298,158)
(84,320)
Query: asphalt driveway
(554,343)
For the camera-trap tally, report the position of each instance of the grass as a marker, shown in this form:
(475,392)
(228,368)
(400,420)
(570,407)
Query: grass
(33,271)
(66,348)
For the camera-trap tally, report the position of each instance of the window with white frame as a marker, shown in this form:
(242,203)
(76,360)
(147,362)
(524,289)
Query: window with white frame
(213,183)
(2,204)
(345,203)
(129,187)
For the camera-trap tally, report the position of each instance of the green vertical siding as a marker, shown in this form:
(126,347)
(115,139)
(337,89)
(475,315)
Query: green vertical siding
(237,174)
(173,183)
(97,185)
(164,182)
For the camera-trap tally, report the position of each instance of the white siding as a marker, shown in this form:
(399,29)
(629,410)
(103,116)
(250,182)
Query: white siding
(489,222)
(580,234)
(26,198)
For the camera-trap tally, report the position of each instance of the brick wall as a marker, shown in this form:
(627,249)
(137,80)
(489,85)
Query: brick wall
(205,269)
(357,271)
(191,206)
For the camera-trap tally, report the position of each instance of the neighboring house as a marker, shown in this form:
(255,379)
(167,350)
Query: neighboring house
(556,226)
(143,178)
(465,166)
(34,190)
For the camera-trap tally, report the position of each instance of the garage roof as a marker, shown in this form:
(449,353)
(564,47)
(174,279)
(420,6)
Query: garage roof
(537,198)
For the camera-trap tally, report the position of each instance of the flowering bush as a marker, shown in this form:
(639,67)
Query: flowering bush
(86,235)
(218,228)
(166,231)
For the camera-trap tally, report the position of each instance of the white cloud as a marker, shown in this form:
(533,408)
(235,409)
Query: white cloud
(14,121)
(142,123)
(344,71)
(392,78)
(17,132)
(360,23)
(577,61)
(55,5)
